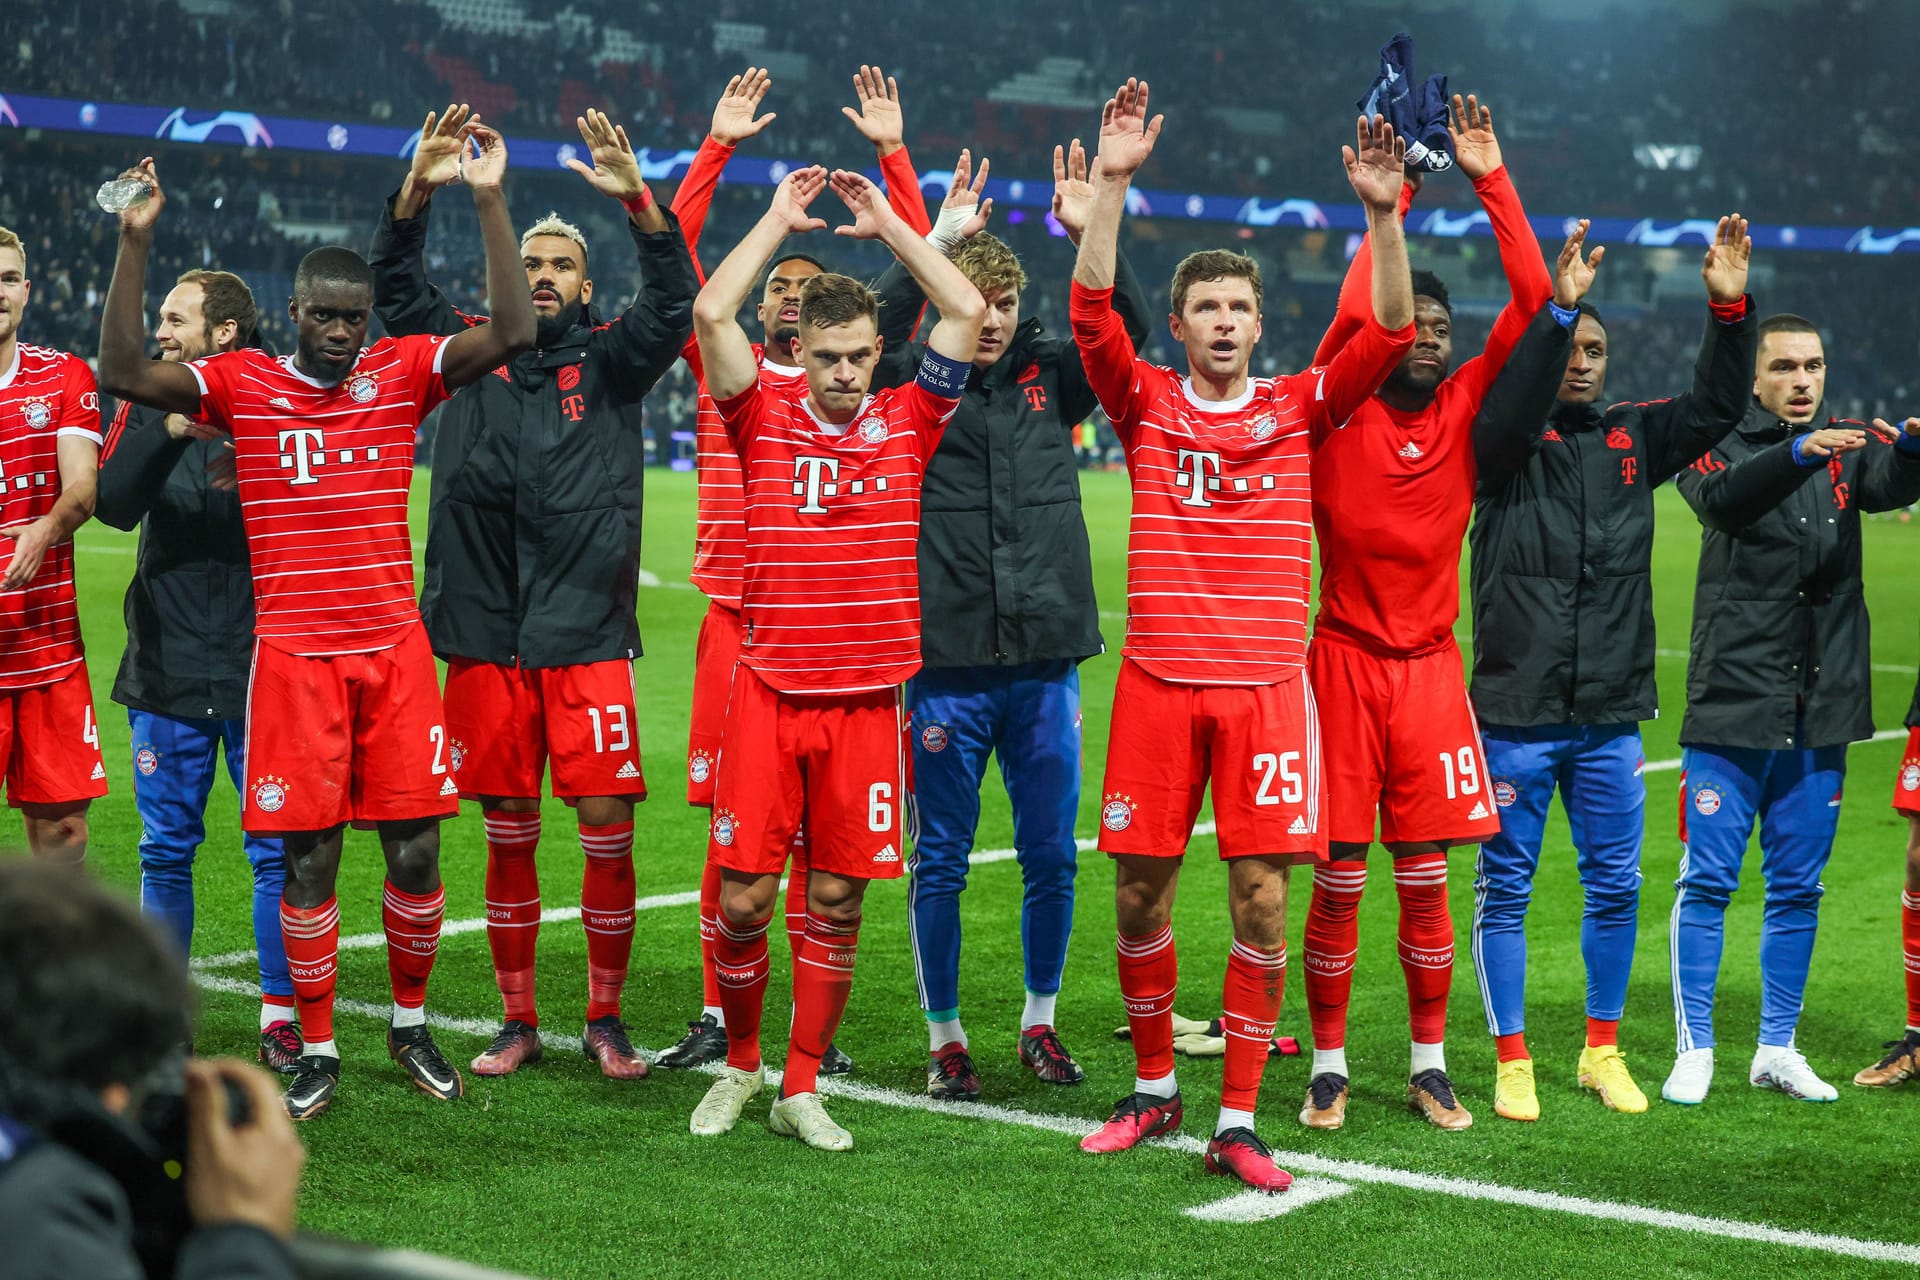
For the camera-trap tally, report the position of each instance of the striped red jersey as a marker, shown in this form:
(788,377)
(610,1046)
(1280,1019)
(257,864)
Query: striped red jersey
(830,593)
(45,395)
(720,529)
(1220,548)
(324,470)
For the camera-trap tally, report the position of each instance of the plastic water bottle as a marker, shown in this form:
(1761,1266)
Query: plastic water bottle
(122,193)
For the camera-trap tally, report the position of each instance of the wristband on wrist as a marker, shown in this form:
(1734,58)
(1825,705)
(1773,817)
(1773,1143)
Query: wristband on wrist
(1728,312)
(1802,457)
(639,204)
(1565,317)
(945,235)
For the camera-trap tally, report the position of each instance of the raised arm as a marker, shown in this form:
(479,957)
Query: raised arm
(881,122)
(405,300)
(1355,302)
(962,310)
(471,355)
(1375,167)
(125,371)
(726,353)
(1890,477)
(1528,285)
(736,117)
(1730,497)
(1681,429)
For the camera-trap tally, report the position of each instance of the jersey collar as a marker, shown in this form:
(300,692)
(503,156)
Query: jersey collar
(1240,401)
(829,429)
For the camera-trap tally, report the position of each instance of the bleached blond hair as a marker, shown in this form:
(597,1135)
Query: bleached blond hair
(554,225)
(10,240)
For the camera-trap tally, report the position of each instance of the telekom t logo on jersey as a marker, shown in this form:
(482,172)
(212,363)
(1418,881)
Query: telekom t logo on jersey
(1195,466)
(301,448)
(807,479)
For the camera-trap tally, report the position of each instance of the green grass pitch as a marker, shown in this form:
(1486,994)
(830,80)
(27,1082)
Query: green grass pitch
(557,1172)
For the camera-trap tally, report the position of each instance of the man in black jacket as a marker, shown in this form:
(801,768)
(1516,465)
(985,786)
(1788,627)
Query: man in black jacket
(1563,650)
(1007,613)
(84,1190)
(189,615)
(533,559)
(1778,683)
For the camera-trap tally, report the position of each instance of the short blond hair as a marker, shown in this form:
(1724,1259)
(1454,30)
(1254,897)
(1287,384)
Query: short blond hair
(554,225)
(829,299)
(989,264)
(11,240)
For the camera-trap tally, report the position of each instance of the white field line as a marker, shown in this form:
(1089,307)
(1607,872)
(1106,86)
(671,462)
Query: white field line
(1333,1174)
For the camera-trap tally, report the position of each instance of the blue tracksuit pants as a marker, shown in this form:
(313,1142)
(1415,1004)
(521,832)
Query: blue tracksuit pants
(1596,769)
(1029,718)
(174,762)
(1796,797)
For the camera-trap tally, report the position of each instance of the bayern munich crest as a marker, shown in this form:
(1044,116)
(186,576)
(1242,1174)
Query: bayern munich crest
(1910,777)
(1264,426)
(1503,793)
(699,767)
(934,737)
(457,753)
(1117,813)
(873,429)
(38,414)
(724,827)
(270,794)
(363,389)
(1707,801)
(146,760)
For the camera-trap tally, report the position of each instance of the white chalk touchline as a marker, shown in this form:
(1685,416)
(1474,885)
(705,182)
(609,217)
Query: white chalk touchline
(1334,1175)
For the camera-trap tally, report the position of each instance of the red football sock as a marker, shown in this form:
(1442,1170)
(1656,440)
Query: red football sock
(312,938)
(1426,942)
(513,907)
(606,911)
(1601,1031)
(709,925)
(1250,1008)
(1514,1047)
(1332,938)
(796,895)
(1149,974)
(740,967)
(1910,944)
(413,939)
(822,979)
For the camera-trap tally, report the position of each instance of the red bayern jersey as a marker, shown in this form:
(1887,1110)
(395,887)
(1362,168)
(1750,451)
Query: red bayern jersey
(324,470)
(720,529)
(830,593)
(45,395)
(1219,551)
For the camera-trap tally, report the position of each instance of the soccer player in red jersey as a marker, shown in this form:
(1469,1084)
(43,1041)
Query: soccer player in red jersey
(344,720)
(1213,686)
(49,457)
(831,612)
(1391,497)
(720,534)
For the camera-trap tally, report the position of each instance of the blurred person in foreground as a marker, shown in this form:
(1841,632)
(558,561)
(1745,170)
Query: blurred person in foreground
(94,1006)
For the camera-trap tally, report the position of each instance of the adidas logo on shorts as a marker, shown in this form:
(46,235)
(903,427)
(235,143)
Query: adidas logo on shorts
(888,854)
(627,771)
(1479,812)
(99,771)
(448,789)
(1299,827)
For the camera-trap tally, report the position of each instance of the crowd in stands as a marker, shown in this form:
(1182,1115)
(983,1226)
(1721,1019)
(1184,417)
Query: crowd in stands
(1260,109)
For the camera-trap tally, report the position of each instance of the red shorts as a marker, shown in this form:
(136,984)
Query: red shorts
(1258,744)
(713,657)
(1906,785)
(351,737)
(1401,741)
(509,724)
(50,742)
(837,760)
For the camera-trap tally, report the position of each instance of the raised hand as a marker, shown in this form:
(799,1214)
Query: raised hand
(436,160)
(1573,276)
(1910,427)
(1376,164)
(791,198)
(879,119)
(1126,134)
(1725,266)
(733,116)
(962,194)
(616,170)
(1471,127)
(142,216)
(489,167)
(1072,189)
(871,213)
(1828,441)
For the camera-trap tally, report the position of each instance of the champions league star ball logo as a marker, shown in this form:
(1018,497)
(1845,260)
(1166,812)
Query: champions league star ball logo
(874,429)
(363,389)
(1910,778)
(270,794)
(724,826)
(1503,793)
(1264,426)
(1707,801)
(146,760)
(934,737)
(699,767)
(1117,813)
(37,414)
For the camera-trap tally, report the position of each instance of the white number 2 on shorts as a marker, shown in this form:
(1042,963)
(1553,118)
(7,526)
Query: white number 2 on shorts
(438,734)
